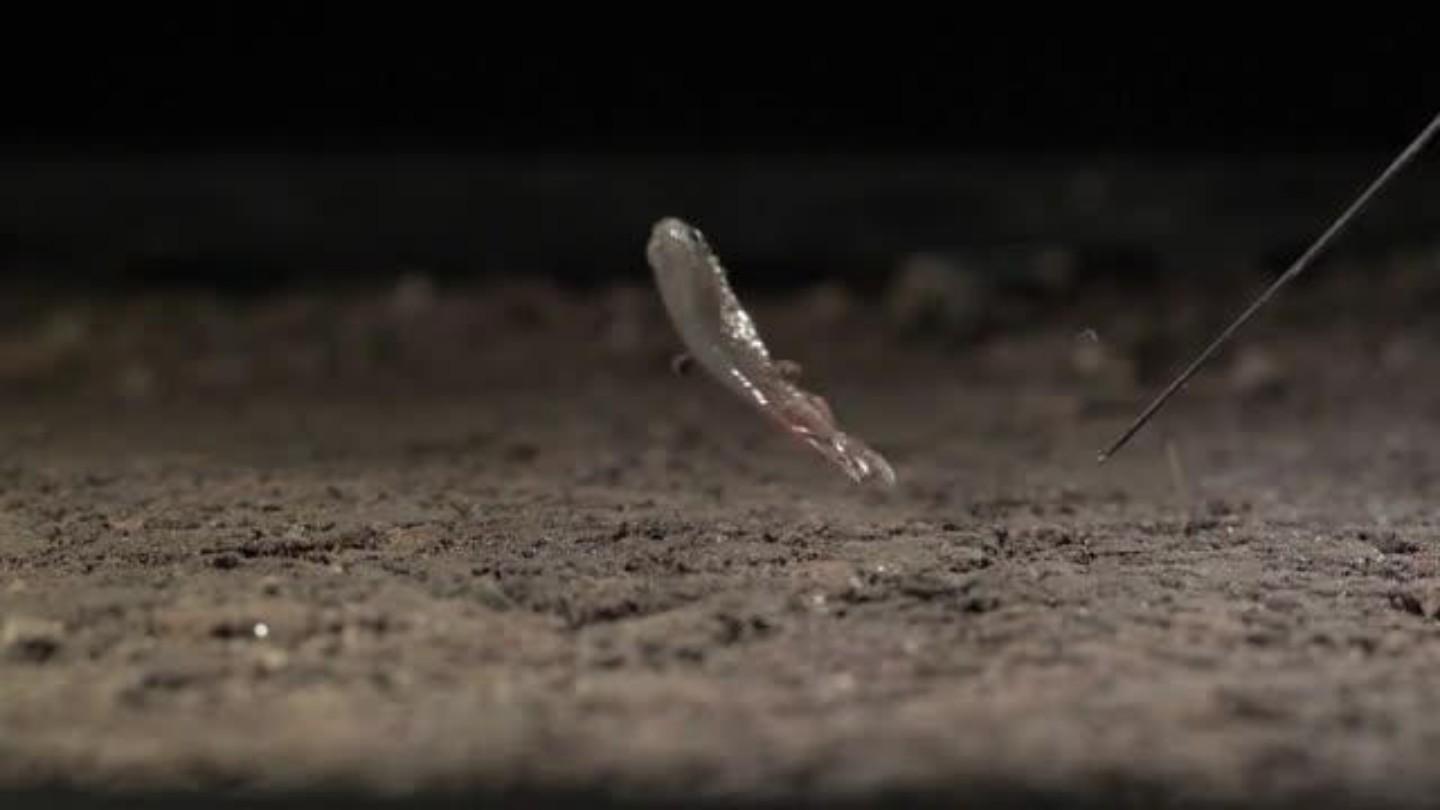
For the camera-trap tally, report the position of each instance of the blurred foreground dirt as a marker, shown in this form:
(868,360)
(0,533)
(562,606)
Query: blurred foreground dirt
(483,542)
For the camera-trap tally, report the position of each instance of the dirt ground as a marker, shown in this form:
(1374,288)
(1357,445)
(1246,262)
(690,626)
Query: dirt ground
(484,543)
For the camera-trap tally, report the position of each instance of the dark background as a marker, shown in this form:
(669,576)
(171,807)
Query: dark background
(306,81)
(700,79)
(244,150)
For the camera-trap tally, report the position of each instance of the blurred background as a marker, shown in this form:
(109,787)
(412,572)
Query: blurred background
(241,152)
(341,444)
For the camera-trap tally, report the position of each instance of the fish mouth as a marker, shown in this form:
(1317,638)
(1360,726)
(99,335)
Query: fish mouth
(673,228)
(672,244)
(675,231)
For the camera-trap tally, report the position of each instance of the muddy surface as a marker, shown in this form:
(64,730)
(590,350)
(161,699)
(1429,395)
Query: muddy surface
(445,543)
